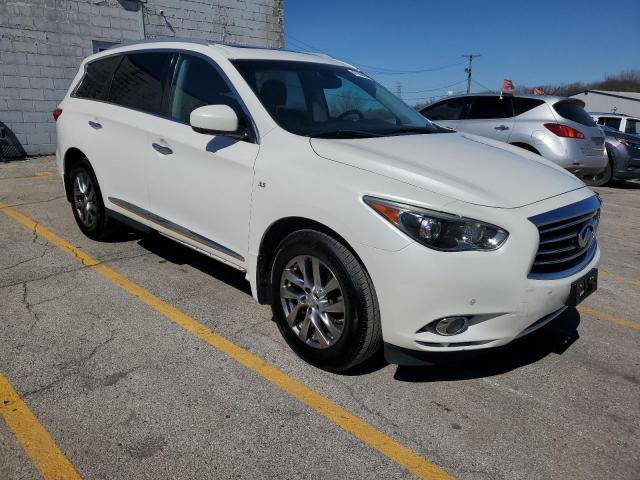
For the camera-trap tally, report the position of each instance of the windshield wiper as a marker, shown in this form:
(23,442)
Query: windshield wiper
(344,133)
(409,129)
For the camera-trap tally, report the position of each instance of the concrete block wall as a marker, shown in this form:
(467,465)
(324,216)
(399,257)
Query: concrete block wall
(42,43)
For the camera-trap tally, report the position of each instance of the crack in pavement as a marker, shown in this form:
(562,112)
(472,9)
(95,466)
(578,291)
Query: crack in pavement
(22,262)
(71,270)
(71,367)
(36,202)
(29,307)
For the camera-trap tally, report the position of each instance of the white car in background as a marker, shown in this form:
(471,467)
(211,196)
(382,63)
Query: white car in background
(622,123)
(359,221)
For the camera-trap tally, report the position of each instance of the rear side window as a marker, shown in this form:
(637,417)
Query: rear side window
(138,81)
(97,78)
(574,112)
(610,122)
(633,126)
(523,104)
(197,83)
(448,110)
(490,107)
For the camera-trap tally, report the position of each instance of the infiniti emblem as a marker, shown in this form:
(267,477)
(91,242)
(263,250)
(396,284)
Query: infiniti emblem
(585,235)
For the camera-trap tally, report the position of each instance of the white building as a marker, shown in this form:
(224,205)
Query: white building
(627,103)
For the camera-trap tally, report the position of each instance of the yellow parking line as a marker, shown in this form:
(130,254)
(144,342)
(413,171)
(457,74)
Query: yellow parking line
(32,436)
(610,318)
(384,444)
(618,278)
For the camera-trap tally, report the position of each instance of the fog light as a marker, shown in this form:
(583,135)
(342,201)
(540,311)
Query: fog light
(451,325)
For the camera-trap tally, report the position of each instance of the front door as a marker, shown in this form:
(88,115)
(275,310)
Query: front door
(489,116)
(200,184)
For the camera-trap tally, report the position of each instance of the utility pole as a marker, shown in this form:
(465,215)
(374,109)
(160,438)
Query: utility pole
(467,70)
(399,89)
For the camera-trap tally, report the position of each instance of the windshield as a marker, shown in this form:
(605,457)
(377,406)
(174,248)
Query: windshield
(322,100)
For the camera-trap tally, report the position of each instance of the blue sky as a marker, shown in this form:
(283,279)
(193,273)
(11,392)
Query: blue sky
(530,42)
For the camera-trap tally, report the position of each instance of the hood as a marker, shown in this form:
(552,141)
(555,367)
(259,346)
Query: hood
(460,166)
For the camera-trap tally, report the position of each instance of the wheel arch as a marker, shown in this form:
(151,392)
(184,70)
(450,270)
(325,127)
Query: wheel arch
(526,146)
(272,237)
(72,156)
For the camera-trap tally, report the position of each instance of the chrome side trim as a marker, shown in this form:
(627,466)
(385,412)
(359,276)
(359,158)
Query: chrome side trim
(174,227)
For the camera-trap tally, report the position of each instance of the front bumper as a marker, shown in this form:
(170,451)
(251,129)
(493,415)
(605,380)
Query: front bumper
(417,285)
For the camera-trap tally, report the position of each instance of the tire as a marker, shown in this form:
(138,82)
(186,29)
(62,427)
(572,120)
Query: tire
(88,207)
(601,178)
(356,332)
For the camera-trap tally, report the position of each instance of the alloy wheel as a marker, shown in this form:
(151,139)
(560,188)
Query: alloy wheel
(85,199)
(313,301)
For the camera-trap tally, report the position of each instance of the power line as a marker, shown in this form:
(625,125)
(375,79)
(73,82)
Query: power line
(379,70)
(483,86)
(436,88)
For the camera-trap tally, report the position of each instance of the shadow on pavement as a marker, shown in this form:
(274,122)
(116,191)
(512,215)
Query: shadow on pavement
(555,337)
(180,255)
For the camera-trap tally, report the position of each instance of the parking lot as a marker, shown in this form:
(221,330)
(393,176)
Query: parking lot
(143,359)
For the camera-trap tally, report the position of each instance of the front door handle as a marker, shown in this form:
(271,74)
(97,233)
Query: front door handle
(95,125)
(501,127)
(161,149)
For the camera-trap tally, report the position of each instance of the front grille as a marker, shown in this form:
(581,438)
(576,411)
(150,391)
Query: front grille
(567,239)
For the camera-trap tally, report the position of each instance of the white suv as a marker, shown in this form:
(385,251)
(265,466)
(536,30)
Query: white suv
(360,222)
(620,122)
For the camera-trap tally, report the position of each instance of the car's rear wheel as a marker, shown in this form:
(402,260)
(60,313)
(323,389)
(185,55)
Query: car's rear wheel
(324,302)
(87,205)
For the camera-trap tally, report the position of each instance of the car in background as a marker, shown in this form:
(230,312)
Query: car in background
(557,128)
(618,121)
(623,151)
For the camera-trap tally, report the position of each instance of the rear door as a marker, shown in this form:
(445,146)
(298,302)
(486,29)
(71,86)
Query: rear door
(489,116)
(447,113)
(135,98)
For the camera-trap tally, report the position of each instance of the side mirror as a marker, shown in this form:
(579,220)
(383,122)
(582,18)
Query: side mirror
(215,119)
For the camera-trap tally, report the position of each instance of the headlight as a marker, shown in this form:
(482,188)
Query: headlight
(438,230)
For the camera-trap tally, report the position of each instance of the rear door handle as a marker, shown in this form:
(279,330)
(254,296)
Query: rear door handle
(501,127)
(95,125)
(161,149)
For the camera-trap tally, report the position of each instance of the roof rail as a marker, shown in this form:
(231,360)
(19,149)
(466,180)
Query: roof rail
(188,40)
(162,39)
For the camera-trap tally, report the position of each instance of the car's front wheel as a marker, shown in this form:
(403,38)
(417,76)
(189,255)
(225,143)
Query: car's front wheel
(324,302)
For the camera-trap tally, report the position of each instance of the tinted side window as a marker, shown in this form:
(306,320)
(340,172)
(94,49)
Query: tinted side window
(521,104)
(197,83)
(574,112)
(97,78)
(448,110)
(490,107)
(137,82)
(633,126)
(610,122)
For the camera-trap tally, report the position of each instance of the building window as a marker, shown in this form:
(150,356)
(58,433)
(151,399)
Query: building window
(100,46)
